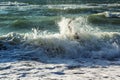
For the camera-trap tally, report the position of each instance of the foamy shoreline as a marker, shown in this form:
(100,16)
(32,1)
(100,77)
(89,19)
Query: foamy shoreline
(61,69)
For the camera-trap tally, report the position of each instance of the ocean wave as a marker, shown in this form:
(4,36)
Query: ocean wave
(83,41)
(91,43)
(62,1)
(29,24)
(17,6)
(17,23)
(93,8)
(12,4)
(51,9)
(105,18)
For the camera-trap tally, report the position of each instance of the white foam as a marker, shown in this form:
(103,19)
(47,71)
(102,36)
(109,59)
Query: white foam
(112,14)
(91,42)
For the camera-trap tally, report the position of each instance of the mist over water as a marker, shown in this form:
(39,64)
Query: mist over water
(42,29)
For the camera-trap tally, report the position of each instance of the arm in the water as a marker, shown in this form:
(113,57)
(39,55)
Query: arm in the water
(69,27)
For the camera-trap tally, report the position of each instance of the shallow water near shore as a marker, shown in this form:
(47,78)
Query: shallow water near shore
(38,34)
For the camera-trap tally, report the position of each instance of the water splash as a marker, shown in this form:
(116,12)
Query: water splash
(92,43)
(77,25)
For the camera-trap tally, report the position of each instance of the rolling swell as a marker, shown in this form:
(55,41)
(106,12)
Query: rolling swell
(26,23)
(103,19)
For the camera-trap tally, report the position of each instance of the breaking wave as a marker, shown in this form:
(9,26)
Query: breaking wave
(81,41)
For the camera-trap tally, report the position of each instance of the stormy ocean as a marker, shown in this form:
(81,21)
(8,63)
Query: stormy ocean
(56,32)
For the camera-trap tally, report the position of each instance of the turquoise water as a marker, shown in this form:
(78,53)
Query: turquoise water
(42,27)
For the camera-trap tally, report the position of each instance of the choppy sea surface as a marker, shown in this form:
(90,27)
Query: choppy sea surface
(35,30)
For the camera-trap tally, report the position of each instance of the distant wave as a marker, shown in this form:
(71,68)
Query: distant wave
(62,1)
(105,18)
(19,6)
